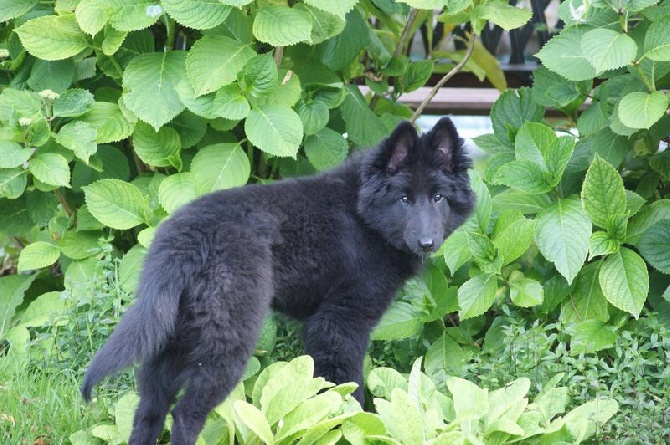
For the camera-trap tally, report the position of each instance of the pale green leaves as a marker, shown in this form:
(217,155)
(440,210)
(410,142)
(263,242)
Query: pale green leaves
(624,280)
(157,148)
(563,55)
(116,203)
(603,193)
(657,41)
(642,110)
(326,148)
(150,86)
(282,26)
(607,50)
(275,129)
(37,255)
(10,9)
(338,8)
(476,295)
(53,37)
(655,245)
(197,14)
(562,234)
(219,166)
(51,169)
(214,61)
(12,154)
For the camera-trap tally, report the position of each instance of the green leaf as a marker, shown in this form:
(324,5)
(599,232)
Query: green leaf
(150,86)
(92,15)
(654,245)
(52,37)
(37,255)
(425,4)
(131,267)
(254,419)
(526,203)
(562,233)
(44,309)
(401,417)
(13,182)
(80,137)
(124,414)
(338,52)
(10,9)
(608,50)
(79,245)
(601,243)
(326,149)
(603,193)
(642,110)
(55,75)
(476,295)
(557,157)
(197,14)
(282,26)
(531,141)
(12,154)
(591,336)
(526,292)
(324,25)
(116,203)
(512,235)
(51,168)
(339,8)
(522,175)
(363,127)
(314,115)
(113,39)
(73,103)
(219,166)
(511,111)
(231,103)
(402,320)
(503,14)
(132,15)
(12,289)
(275,129)
(158,149)
(624,280)
(416,75)
(647,217)
(456,250)
(176,190)
(109,121)
(470,401)
(260,76)
(563,55)
(214,61)
(586,301)
(657,41)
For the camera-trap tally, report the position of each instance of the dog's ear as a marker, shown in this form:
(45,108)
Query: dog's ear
(444,140)
(402,141)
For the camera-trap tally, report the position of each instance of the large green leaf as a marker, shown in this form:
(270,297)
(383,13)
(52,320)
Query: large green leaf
(603,193)
(642,110)
(591,336)
(80,137)
(149,86)
(219,166)
(52,37)
(157,148)
(231,103)
(563,55)
(337,53)
(275,129)
(326,148)
(526,292)
(476,295)
(214,61)
(426,4)
(12,289)
(339,8)
(132,15)
(79,245)
(586,301)
(562,233)
(13,182)
(254,419)
(402,320)
(51,168)
(647,217)
(10,9)
(402,417)
(522,175)
(281,25)
(12,154)
(73,103)
(324,24)
(109,121)
(624,280)
(116,203)
(608,50)
(503,14)
(197,14)
(37,255)
(511,111)
(654,245)
(657,41)
(512,235)
(363,127)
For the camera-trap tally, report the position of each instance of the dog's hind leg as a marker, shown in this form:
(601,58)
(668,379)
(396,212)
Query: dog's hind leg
(227,307)
(158,385)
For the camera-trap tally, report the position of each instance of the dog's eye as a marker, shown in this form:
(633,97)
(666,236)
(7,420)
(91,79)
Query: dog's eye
(404,199)
(438,197)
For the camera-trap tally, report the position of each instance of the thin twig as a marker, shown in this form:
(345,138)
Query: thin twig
(449,75)
(63,202)
(279,53)
(402,44)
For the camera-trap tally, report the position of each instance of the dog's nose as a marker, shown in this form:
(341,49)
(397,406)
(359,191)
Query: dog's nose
(426,244)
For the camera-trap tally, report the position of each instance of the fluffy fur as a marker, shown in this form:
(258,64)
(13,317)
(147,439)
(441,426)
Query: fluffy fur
(332,250)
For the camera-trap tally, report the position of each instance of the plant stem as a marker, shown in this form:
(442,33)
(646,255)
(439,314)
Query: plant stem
(279,53)
(63,202)
(449,75)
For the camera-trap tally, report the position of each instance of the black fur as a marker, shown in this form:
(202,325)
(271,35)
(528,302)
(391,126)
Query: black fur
(331,250)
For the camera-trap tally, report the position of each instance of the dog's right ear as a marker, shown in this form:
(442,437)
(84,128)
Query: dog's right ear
(397,147)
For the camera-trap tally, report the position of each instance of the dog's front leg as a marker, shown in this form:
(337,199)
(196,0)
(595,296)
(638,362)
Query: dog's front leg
(336,337)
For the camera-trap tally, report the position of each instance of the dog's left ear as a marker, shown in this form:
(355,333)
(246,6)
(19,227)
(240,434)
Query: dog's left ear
(443,138)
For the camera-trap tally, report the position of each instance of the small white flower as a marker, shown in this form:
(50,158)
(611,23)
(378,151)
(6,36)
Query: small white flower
(4,53)
(48,94)
(580,11)
(154,10)
(25,121)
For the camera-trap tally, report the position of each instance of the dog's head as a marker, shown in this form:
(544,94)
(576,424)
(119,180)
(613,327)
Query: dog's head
(415,190)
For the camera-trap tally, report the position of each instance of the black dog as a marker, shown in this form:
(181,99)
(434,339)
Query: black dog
(331,250)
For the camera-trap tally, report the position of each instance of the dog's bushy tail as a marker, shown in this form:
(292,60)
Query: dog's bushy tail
(143,330)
